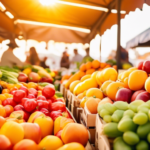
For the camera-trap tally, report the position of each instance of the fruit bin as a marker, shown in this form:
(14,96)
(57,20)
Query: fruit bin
(89,121)
(74,107)
(69,98)
(101,141)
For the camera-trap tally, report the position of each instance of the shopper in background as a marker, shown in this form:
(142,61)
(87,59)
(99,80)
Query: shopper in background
(87,57)
(65,63)
(77,57)
(43,63)
(8,58)
(33,58)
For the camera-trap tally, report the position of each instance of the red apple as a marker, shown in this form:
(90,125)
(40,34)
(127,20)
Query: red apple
(124,94)
(135,94)
(146,66)
(19,95)
(22,77)
(32,131)
(140,65)
(33,77)
(46,79)
(145,96)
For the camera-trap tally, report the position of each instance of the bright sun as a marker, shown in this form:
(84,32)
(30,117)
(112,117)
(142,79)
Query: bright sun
(47,2)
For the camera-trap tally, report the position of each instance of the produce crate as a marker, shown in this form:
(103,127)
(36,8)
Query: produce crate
(69,98)
(89,121)
(101,141)
(62,88)
(74,107)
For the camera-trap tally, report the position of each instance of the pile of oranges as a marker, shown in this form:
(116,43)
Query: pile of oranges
(93,66)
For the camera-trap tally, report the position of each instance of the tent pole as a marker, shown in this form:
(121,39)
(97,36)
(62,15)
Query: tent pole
(100,48)
(118,54)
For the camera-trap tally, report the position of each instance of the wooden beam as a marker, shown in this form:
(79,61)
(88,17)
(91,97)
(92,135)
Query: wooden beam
(118,53)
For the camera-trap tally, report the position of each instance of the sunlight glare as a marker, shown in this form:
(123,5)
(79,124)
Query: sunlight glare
(47,2)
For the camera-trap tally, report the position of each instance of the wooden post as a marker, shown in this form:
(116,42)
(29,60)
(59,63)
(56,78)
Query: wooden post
(100,47)
(118,53)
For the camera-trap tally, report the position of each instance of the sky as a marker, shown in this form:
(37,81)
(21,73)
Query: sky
(133,24)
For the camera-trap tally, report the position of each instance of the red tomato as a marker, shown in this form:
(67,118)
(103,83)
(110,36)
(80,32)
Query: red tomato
(58,106)
(45,111)
(58,100)
(33,91)
(18,107)
(48,91)
(9,101)
(42,104)
(19,95)
(30,105)
(55,114)
(41,97)
(24,89)
(50,104)
(23,100)
(30,96)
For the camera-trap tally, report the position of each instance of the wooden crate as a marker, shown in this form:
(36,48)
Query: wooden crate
(88,120)
(69,98)
(75,105)
(62,88)
(102,142)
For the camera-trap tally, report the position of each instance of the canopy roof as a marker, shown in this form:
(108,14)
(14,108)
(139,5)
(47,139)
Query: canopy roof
(141,40)
(62,13)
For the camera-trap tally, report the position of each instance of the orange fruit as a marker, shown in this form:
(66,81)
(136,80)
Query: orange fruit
(112,89)
(32,85)
(75,133)
(94,92)
(5,143)
(2,97)
(26,144)
(13,131)
(147,85)
(2,121)
(83,67)
(95,64)
(72,146)
(2,111)
(104,86)
(102,65)
(5,91)
(90,71)
(50,143)
(88,65)
(9,109)
(137,80)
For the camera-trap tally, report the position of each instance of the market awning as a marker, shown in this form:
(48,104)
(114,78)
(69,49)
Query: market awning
(141,40)
(93,15)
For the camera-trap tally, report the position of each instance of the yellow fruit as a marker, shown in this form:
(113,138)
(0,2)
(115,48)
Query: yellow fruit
(72,146)
(94,92)
(137,80)
(13,131)
(85,85)
(50,143)
(73,85)
(83,101)
(104,86)
(85,77)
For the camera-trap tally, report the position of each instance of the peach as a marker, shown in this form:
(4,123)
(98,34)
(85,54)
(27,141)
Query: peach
(35,115)
(32,131)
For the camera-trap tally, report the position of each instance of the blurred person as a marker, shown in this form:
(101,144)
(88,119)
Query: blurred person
(65,60)
(77,57)
(8,58)
(33,57)
(87,57)
(43,63)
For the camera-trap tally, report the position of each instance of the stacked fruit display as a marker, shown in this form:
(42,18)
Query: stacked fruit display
(35,120)
(128,123)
